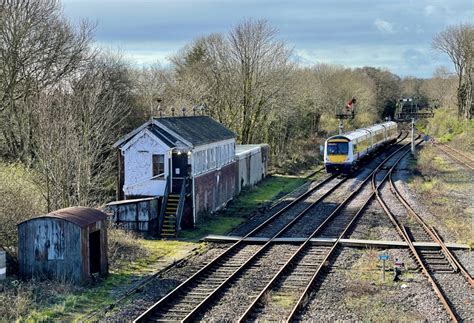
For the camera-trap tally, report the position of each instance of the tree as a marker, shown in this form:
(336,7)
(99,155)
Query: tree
(74,153)
(38,49)
(440,89)
(387,90)
(240,77)
(458,43)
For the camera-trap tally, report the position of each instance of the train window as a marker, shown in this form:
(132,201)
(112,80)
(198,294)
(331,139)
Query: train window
(337,148)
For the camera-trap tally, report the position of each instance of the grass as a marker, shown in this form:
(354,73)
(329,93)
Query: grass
(445,190)
(77,302)
(368,295)
(238,210)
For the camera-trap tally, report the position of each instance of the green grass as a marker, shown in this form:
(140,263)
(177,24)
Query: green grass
(218,225)
(270,189)
(79,303)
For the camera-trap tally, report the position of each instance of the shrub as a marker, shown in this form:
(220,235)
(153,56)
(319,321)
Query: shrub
(20,200)
(123,247)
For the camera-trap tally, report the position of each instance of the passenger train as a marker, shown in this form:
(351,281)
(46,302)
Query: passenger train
(343,153)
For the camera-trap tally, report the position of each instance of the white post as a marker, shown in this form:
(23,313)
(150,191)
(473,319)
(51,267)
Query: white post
(341,126)
(413,136)
(3,265)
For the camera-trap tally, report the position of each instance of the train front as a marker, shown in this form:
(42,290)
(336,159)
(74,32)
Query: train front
(337,157)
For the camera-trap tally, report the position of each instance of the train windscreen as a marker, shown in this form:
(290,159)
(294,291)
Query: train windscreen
(337,148)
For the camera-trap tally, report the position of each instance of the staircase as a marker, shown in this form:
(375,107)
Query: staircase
(168,229)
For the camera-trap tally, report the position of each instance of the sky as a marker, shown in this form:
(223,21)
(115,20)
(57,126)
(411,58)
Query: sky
(394,35)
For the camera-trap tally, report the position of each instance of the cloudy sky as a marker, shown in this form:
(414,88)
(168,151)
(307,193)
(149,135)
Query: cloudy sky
(389,34)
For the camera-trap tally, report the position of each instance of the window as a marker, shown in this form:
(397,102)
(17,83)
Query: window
(337,148)
(158,166)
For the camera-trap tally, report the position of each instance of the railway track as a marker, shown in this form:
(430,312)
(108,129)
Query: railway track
(188,299)
(436,264)
(296,278)
(185,301)
(458,156)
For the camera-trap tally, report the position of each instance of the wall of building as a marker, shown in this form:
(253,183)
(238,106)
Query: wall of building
(214,189)
(212,156)
(136,215)
(138,166)
(50,248)
(104,264)
(58,249)
(252,166)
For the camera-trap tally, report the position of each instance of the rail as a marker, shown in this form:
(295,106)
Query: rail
(160,306)
(433,234)
(403,233)
(456,155)
(150,312)
(289,263)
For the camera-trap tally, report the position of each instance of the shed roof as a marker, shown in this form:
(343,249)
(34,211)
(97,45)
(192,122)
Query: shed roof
(198,130)
(82,216)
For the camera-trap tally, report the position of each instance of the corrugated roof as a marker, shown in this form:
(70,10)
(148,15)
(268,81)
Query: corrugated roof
(82,216)
(198,130)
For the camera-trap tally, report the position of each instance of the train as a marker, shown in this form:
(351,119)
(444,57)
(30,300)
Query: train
(344,153)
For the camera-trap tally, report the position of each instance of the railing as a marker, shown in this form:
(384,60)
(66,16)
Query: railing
(162,175)
(180,210)
(163,207)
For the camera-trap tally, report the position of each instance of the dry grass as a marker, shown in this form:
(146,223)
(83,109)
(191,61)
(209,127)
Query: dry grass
(445,190)
(123,248)
(19,298)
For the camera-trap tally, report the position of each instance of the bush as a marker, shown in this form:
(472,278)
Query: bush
(427,164)
(20,200)
(123,247)
(19,299)
(446,126)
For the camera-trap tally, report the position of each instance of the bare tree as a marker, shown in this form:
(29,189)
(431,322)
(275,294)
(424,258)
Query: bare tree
(262,66)
(38,49)
(458,43)
(73,153)
(240,77)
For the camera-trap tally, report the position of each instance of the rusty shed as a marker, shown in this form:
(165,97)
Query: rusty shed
(68,244)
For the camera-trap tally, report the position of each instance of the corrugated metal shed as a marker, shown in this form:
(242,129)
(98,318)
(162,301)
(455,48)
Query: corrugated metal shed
(82,216)
(68,244)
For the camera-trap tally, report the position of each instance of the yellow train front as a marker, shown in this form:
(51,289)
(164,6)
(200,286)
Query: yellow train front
(343,153)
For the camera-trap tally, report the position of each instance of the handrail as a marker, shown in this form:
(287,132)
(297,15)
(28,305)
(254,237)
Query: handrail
(180,209)
(163,207)
(144,181)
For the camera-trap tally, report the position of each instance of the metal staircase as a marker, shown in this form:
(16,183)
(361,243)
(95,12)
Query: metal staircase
(169,228)
(172,210)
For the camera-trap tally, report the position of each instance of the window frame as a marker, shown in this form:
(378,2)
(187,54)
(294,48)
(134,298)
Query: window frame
(160,175)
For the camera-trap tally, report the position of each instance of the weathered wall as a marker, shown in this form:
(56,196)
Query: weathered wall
(102,226)
(252,166)
(58,249)
(212,156)
(214,189)
(138,167)
(137,216)
(50,248)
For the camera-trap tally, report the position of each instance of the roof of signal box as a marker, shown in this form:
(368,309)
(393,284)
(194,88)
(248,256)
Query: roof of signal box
(191,130)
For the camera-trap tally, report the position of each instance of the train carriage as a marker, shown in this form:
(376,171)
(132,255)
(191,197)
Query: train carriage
(343,153)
